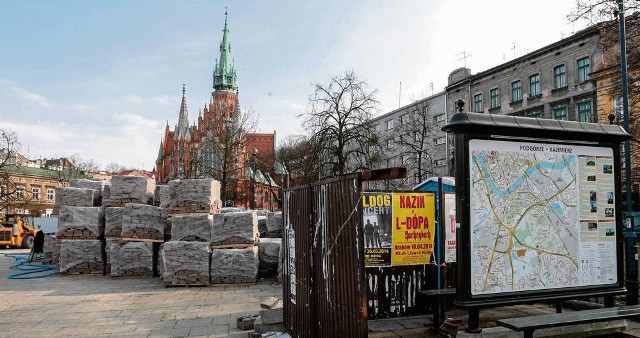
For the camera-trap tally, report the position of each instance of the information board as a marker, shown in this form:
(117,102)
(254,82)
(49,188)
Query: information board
(399,228)
(542,216)
(450,227)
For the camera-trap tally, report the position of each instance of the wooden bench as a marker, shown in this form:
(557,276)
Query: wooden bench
(532,323)
(438,298)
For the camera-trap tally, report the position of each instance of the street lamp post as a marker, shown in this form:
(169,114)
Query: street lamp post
(631,273)
(254,152)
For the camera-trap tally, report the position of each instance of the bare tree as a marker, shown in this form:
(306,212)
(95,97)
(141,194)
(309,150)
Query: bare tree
(222,154)
(114,168)
(604,13)
(415,140)
(78,168)
(9,146)
(299,155)
(339,121)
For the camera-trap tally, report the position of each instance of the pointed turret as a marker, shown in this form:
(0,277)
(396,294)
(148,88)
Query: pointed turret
(160,152)
(182,129)
(224,74)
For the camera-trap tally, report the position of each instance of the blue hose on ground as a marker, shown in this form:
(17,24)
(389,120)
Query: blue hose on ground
(31,270)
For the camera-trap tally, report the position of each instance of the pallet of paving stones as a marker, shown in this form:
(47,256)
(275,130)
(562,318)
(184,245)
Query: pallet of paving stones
(185,263)
(76,197)
(80,256)
(194,196)
(131,259)
(83,183)
(130,189)
(106,195)
(107,252)
(161,196)
(143,222)
(233,266)
(80,223)
(274,225)
(113,221)
(191,228)
(234,229)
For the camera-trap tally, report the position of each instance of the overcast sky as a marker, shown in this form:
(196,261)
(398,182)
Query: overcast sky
(100,79)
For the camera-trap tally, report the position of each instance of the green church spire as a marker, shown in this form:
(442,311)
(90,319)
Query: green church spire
(224,74)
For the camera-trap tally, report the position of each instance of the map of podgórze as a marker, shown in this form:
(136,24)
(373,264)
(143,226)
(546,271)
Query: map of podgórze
(524,220)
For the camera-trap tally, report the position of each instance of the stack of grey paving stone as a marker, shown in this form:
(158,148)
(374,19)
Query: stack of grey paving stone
(191,228)
(185,263)
(112,232)
(274,224)
(76,197)
(131,259)
(106,195)
(129,189)
(161,197)
(80,223)
(194,196)
(269,256)
(51,249)
(81,256)
(82,183)
(141,222)
(234,266)
(234,229)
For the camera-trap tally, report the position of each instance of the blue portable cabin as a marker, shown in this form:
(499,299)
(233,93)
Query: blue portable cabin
(432,185)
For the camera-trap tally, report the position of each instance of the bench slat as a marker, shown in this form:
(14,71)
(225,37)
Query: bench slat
(569,318)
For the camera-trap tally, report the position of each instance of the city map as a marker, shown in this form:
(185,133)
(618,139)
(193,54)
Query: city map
(525,218)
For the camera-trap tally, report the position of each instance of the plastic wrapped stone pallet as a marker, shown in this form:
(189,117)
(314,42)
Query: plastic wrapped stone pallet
(268,256)
(191,228)
(106,195)
(131,259)
(80,223)
(274,224)
(107,253)
(161,196)
(75,197)
(51,249)
(143,222)
(89,184)
(81,256)
(129,189)
(113,221)
(194,196)
(234,266)
(236,228)
(185,263)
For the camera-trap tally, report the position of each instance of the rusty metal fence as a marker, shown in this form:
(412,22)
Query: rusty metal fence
(324,289)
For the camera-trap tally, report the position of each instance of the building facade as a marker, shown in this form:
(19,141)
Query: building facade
(29,191)
(217,144)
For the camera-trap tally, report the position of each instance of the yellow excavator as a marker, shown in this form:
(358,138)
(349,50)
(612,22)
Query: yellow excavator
(15,232)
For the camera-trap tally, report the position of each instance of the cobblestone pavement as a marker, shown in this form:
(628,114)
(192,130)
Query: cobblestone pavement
(102,306)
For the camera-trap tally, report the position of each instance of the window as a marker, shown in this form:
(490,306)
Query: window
(584,111)
(51,194)
(534,85)
(439,118)
(404,119)
(35,193)
(560,113)
(418,136)
(440,163)
(20,192)
(560,76)
(495,97)
(439,140)
(389,124)
(583,69)
(389,143)
(516,91)
(534,114)
(477,103)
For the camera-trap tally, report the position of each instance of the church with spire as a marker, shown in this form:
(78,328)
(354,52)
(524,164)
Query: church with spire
(218,145)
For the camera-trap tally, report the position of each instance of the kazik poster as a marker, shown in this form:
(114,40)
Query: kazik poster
(399,228)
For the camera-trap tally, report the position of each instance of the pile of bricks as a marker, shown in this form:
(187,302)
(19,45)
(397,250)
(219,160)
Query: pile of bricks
(185,263)
(191,228)
(233,266)
(141,222)
(274,225)
(80,223)
(81,256)
(194,196)
(129,189)
(77,197)
(232,229)
(161,196)
(131,259)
